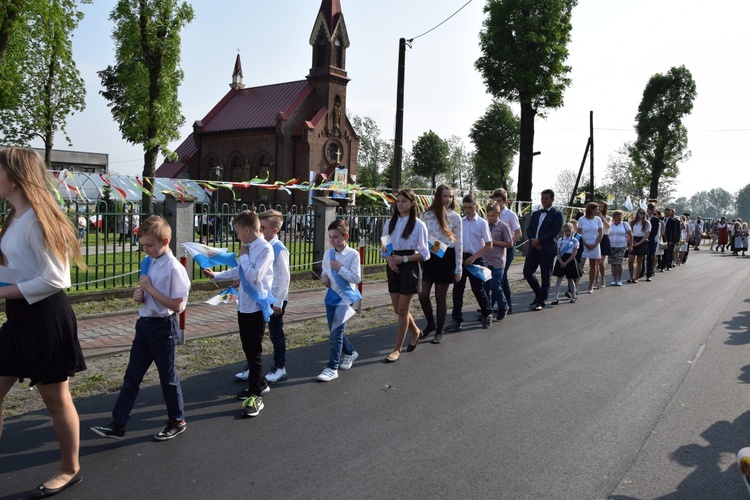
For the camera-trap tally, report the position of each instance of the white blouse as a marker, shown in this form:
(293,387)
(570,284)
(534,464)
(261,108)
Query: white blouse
(417,240)
(24,249)
(434,232)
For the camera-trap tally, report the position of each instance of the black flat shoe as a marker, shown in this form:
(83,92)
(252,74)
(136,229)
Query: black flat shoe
(42,491)
(438,338)
(427,331)
(410,347)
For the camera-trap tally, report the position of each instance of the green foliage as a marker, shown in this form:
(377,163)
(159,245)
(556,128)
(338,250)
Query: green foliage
(142,85)
(40,84)
(496,139)
(712,204)
(662,138)
(9,13)
(524,48)
(430,156)
(375,153)
(461,173)
(742,202)
(621,183)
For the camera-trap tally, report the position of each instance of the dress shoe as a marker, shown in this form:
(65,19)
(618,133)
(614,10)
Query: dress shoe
(438,338)
(539,306)
(42,491)
(410,347)
(427,331)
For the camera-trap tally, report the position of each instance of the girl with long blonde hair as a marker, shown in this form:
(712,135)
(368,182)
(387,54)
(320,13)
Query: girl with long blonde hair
(39,340)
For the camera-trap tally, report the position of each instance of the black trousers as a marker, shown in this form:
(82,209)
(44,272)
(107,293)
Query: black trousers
(477,287)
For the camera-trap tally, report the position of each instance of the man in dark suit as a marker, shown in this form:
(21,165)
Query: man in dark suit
(542,232)
(672,236)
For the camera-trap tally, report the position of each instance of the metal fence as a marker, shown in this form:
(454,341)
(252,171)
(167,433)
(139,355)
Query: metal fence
(109,242)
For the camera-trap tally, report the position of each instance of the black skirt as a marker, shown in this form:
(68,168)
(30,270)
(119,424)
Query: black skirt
(440,271)
(40,341)
(570,271)
(408,281)
(605,246)
(640,250)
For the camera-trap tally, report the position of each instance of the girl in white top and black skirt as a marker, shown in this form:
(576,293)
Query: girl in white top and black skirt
(39,340)
(444,225)
(409,239)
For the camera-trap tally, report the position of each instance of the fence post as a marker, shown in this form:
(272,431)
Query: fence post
(324,213)
(179,212)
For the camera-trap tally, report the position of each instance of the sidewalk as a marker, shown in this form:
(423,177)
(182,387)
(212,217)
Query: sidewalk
(111,333)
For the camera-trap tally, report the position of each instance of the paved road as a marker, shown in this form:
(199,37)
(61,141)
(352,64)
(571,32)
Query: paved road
(637,392)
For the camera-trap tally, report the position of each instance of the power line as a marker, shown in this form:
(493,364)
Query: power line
(436,27)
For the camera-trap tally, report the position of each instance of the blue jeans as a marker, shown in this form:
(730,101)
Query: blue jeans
(494,290)
(510,254)
(153,343)
(339,343)
(276,332)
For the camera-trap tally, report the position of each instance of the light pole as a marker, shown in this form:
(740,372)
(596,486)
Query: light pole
(217,170)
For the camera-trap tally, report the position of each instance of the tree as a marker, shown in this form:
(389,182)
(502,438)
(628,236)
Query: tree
(566,183)
(524,47)
(10,10)
(50,86)
(430,156)
(742,202)
(374,154)
(496,138)
(460,165)
(713,204)
(662,138)
(142,85)
(620,182)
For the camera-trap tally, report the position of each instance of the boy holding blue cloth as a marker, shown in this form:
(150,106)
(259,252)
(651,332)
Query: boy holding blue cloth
(254,304)
(341,274)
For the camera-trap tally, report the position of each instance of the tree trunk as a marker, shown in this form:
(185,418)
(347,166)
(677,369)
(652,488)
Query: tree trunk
(526,156)
(149,167)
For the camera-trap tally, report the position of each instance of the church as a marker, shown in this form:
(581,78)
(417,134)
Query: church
(284,130)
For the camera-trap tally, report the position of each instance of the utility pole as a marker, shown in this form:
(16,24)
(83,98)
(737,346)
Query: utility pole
(398,143)
(591,158)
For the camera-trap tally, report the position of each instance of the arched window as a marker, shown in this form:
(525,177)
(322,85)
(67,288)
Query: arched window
(237,172)
(320,57)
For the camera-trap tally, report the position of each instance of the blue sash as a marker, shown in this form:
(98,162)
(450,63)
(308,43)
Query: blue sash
(265,304)
(566,247)
(145,265)
(351,295)
(277,248)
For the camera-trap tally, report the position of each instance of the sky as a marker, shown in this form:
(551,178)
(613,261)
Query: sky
(615,48)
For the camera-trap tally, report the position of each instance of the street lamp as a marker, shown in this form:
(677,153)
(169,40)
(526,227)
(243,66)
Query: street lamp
(217,170)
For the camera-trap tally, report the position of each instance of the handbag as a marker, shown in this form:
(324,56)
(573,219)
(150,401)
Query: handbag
(663,245)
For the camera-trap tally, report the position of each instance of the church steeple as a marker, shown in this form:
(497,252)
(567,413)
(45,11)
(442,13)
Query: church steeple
(237,75)
(329,40)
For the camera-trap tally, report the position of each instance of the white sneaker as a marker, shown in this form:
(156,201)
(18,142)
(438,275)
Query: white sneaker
(327,375)
(619,283)
(347,360)
(614,283)
(243,375)
(276,375)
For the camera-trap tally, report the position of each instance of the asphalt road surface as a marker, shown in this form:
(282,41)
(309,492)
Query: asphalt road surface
(636,392)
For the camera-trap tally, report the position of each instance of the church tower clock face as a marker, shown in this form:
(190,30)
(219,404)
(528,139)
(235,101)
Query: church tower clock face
(333,152)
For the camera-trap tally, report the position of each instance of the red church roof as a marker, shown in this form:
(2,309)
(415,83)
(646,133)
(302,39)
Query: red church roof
(256,107)
(242,109)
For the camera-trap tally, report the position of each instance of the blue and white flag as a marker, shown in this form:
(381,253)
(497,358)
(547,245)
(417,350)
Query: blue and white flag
(386,247)
(228,296)
(437,247)
(207,256)
(480,272)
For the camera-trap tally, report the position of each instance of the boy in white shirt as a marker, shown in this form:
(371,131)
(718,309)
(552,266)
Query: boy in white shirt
(163,291)
(270,224)
(254,304)
(340,275)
